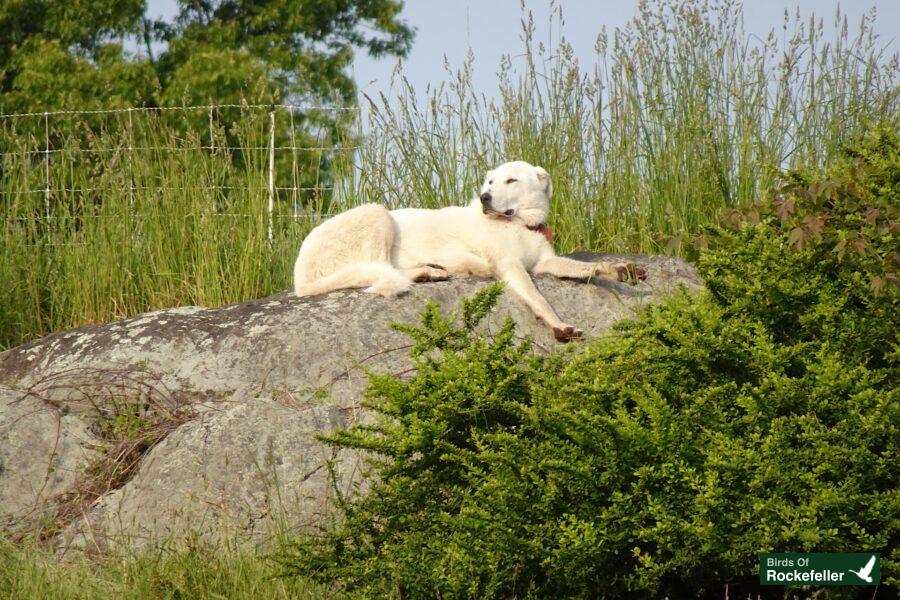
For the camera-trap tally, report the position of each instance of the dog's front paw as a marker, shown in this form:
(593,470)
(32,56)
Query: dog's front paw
(629,273)
(566,333)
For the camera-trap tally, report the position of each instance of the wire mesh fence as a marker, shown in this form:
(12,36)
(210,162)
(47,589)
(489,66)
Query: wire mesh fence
(278,162)
(108,213)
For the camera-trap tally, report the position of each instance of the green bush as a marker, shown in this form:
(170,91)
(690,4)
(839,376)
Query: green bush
(761,415)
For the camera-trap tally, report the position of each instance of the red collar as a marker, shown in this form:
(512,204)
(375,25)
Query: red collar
(543,228)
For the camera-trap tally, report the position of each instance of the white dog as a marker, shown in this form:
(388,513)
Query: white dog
(502,234)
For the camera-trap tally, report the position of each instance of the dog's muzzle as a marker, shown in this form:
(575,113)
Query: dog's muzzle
(486,207)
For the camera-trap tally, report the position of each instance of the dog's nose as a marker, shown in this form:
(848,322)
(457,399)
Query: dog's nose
(485,197)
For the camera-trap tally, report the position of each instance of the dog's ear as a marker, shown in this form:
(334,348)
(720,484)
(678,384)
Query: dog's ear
(544,177)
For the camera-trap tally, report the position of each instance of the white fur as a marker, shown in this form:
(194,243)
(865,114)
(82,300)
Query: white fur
(385,251)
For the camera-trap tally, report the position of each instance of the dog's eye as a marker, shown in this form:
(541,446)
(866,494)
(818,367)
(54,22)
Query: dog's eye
(511,180)
(491,182)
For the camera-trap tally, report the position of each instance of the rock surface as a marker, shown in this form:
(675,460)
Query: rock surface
(243,457)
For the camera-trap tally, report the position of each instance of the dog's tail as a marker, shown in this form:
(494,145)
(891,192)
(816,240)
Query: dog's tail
(376,277)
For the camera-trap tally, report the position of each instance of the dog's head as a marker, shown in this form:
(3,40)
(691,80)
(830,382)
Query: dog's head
(517,190)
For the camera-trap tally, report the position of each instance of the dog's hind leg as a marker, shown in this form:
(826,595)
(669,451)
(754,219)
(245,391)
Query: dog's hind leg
(351,250)
(427,273)
(375,277)
(390,281)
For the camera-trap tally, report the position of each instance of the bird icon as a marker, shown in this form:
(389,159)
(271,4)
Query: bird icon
(865,572)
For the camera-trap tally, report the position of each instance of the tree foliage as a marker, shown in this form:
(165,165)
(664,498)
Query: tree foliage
(71,55)
(761,415)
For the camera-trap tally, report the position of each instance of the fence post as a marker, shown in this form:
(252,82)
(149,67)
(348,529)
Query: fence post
(294,176)
(212,135)
(131,169)
(47,164)
(271,170)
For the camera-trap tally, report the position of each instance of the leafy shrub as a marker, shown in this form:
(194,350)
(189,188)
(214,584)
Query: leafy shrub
(820,261)
(761,415)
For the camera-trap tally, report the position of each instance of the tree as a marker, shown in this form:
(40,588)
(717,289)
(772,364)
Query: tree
(56,55)
(297,49)
(73,55)
(67,55)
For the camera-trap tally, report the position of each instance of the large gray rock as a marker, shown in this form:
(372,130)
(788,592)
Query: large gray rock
(235,393)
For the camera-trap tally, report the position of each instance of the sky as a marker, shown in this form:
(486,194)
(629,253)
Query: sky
(491,28)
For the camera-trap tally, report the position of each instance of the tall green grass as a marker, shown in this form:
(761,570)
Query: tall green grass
(681,115)
(198,572)
(140,217)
